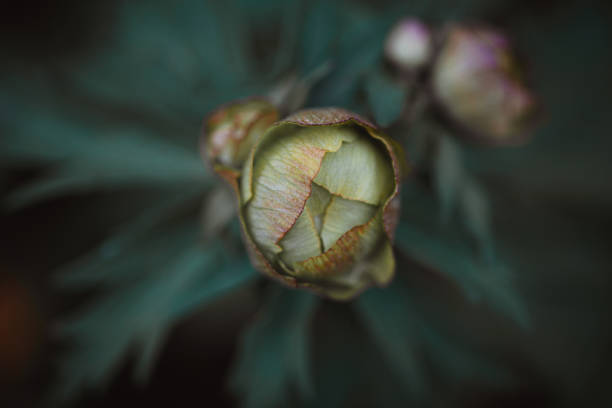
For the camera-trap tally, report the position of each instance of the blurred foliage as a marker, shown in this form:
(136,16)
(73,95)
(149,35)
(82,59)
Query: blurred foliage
(385,98)
(275,355)
(125,114)
(176,276)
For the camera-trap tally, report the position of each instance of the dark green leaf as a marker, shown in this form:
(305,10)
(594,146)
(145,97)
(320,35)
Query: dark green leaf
(386,314)
(385,97)
(449,174)
(274,355)
(411,341)
(319,35)
(482,280)
(446,249)
(134,248)
(141,312)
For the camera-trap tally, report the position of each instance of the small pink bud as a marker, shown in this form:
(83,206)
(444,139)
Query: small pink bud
(477,81)
(409,45)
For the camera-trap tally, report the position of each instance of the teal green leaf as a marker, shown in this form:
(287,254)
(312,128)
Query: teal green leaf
(349,369)
(358,48)
(386,98)
(141,312)
(481,280)
(459,193)
(449,174)
(475,215)
(134,248)
(286,52)
(168,50)
(274,355)
(412,342)
(319,35)
(84,158)
(386,314)
(447,249)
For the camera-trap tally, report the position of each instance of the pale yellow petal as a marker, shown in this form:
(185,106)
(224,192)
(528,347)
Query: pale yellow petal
(302,241)
(342,215)
(352,247)
(361,170)
(283,168)
(317,204)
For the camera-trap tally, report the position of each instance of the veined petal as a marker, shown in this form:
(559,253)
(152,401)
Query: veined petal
(378,269)
(352,247)
(282,174)
(302,241)
(359,170)
(317,204)
(326,117)
(400,170)
(341,216)
(334,237)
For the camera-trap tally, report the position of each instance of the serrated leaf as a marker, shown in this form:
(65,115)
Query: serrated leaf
(141,312)
(481,280)
(168,49)
(83,158)
(274,355)
(411,343)
(445,248)
(459,192)
(134,248)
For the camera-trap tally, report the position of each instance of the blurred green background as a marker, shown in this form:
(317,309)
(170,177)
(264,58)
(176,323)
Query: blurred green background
(109,295)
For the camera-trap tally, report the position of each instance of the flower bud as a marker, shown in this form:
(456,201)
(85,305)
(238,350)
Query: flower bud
(477,82)
(231,131)
(409,45)
(319,202)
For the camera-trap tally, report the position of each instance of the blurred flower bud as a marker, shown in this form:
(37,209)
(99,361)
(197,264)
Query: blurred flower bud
(231,131)
(319,202)
(409,45)
(20,329)
(477,82)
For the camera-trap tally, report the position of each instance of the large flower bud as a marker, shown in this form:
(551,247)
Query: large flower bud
(409,45)
(477,81)
(319,202)
(230,131)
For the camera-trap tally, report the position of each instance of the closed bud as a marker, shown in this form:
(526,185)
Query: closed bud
(409,45)
(319,203)
(231,131)
(477,81)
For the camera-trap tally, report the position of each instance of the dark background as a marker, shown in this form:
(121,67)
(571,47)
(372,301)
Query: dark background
(565,359)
